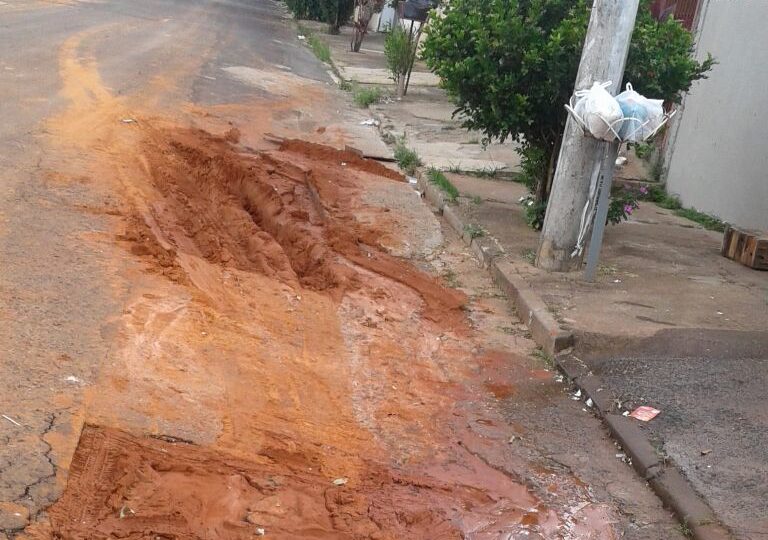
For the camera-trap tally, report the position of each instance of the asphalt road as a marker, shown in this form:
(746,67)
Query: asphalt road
(56,297)
(711,388)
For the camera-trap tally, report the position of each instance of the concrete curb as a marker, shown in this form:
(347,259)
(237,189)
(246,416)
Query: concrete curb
(545,330)
(665,480)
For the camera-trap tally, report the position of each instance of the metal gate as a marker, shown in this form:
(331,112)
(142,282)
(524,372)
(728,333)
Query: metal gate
(682,10)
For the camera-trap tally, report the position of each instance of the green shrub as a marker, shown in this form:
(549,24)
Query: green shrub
(399,50)
(446,186)
(510,65)
(535,211)
(406,158)
(621,206)
(365,97)
(333,12)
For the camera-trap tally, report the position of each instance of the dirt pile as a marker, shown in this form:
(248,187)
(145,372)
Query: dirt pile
(286,214)
(122,486)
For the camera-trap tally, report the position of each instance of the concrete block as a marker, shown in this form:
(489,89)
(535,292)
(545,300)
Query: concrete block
(532,311)
(594,388)
(636,444)
(452,217)
(677,494)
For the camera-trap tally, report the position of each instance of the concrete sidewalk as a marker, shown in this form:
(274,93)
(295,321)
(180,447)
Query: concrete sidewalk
(369,66)
(423,119)
(669,323)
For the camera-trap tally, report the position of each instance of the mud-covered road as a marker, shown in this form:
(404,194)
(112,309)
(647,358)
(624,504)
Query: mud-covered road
(219,324)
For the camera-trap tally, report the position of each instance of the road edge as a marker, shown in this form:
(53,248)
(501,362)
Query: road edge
(696,517)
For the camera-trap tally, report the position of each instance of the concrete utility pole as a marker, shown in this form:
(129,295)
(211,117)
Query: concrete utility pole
(602,59)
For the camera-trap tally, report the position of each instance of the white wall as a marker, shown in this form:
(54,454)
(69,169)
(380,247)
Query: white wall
(718,159)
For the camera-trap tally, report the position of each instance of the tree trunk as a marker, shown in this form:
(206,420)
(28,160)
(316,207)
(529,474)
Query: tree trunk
(357,39)
(365,11)
(552,164)
(400,86)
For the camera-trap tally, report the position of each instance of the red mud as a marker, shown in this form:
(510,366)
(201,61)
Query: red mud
(329,154)
(270,214)
(286,342)
(122,486)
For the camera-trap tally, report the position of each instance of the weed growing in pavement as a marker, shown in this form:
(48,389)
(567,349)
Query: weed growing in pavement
(711,223)
(670,202)
(474,231)
(685,529)
(440,180)
(388,137)
(456,169)
(545,357)
(643,150)
(346,86)
(477,199)
(320,48)
(407,158)
(451,279)
(529,255)
(486,172)
(365,97)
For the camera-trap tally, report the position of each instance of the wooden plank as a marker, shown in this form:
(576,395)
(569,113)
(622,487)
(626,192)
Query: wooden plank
(760,260)
(727,237)
(737,244)
(747,256)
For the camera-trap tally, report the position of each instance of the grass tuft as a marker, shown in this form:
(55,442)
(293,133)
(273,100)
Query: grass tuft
(670,202)
(406,158)
(474,231)
(440,180)
(320,48)
(365,97)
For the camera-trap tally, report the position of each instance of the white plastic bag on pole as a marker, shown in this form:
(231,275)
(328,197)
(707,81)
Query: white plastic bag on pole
(599,111)
(642,116)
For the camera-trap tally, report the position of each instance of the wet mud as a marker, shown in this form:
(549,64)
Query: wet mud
(276,369)
(388,454)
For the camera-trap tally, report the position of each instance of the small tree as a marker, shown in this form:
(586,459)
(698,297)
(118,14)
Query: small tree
(399,50)
(510,65)
(366,9)
(333,12)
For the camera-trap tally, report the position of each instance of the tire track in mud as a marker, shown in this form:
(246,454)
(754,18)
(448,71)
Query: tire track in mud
(263,213)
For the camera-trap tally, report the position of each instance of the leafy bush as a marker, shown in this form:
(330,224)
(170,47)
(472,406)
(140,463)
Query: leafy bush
(333,12)
(399,50)
(446,186)
(535,212)
(621,206)
(407,159)
(364,97)
(509,65)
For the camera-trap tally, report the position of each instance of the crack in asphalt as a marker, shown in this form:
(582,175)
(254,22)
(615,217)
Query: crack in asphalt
(27,495)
